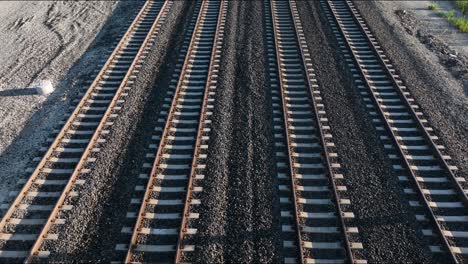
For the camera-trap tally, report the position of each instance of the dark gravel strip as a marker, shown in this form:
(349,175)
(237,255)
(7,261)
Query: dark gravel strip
(95,223)
(239,221)
(387,225)
(440,97)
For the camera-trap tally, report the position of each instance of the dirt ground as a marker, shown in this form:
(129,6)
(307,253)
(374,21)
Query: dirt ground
(432,22)
(447,44)
(59,41)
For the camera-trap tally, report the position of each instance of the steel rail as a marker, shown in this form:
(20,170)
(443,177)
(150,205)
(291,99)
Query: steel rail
(183,225)
(24,190)
(288,141)
(141,214)
(413,177)
(458,188)
(347,245)
(37,244)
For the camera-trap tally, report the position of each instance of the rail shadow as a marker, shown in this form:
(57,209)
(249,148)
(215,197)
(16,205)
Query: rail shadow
(18,92)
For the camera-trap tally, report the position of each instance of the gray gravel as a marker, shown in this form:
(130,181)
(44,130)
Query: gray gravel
(385,221)
(94,224)
(437,81)
(441,96)
(239,219)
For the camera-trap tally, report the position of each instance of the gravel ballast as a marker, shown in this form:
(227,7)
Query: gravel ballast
(383,217)
(94,225)
(239,212)
(239,220)
(441,96)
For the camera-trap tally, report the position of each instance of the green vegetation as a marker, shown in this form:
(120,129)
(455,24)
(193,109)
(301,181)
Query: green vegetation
(463,5)
(461,22)
(449,15)
(433,6)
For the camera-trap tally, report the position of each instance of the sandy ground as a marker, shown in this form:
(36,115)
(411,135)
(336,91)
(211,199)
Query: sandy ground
(44,40)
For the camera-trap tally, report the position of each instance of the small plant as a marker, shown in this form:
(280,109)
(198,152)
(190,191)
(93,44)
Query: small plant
(463,6)
(450,14)
(464,27)
(461,23)
(433,6)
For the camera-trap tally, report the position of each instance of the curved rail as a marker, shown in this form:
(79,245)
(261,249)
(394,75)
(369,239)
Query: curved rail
(410,145)
(80,129)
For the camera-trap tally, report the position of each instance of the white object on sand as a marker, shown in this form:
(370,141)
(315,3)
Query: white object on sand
(45,87)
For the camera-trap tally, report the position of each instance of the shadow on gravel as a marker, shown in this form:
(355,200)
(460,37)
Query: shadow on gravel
(80,72)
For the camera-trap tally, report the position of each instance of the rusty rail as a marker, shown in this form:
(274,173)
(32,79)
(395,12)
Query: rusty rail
(400,150)
(46,157)
(289,148)
(185,214)
(159,153)
(326,154)
(35,249)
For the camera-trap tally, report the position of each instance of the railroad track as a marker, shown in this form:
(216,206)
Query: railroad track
(122,247)
(433,188)
(33,219)
(312,195)
(167,211)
